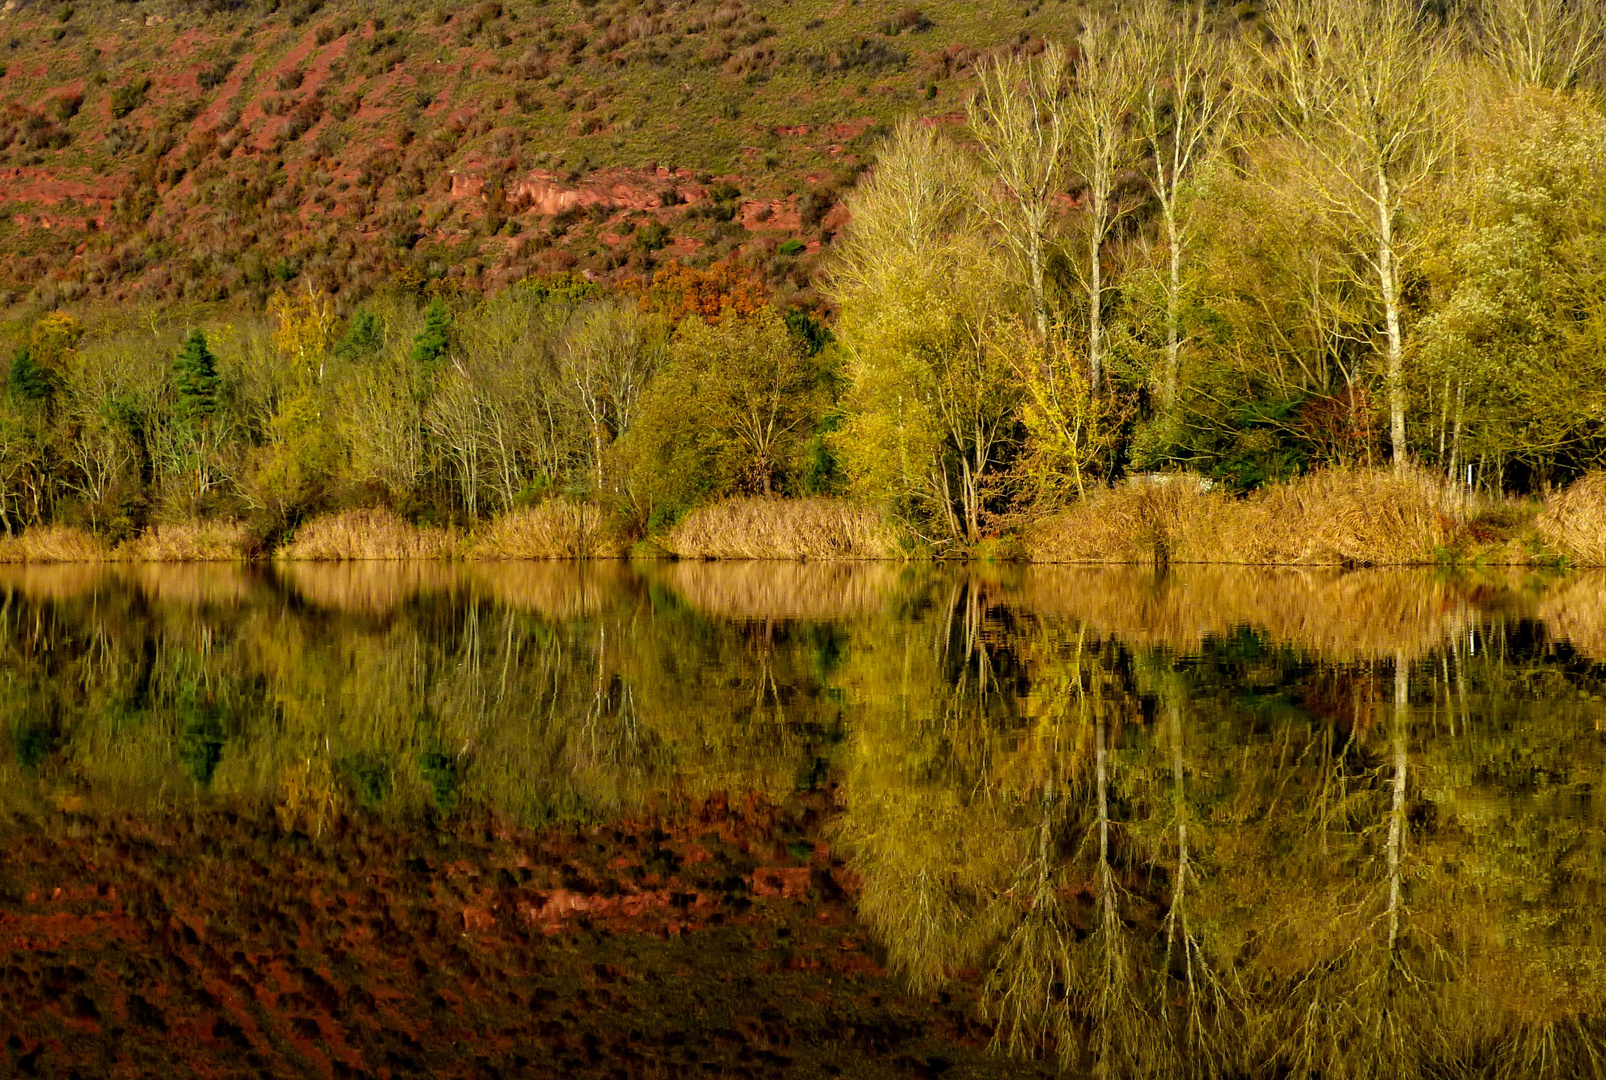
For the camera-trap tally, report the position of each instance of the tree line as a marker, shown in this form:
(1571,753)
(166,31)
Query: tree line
(1349,235)
(1336,235)
(689,387)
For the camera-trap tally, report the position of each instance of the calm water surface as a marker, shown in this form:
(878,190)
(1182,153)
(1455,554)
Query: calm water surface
(766,820)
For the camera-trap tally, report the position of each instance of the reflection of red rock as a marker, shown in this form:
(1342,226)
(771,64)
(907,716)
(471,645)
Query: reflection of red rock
(553,908)
(790,882)
(616,189)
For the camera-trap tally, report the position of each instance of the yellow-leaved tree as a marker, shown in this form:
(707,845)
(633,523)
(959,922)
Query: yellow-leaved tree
(919,281)
(300,453)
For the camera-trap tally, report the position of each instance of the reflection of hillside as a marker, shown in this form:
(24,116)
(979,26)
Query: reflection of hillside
(780,590)
(1343,615)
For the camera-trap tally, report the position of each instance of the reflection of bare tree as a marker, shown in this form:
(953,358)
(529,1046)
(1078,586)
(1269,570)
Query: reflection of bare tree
(1201,1044)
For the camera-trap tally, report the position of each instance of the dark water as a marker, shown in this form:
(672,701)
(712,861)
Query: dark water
(767,820)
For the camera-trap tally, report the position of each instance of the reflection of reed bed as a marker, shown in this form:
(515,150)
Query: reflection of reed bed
(1337,517)
(818,528)
(52,582)
(1575,611)
(1342,615)
(368,587)
(781,590)
(554,589)
(205,584)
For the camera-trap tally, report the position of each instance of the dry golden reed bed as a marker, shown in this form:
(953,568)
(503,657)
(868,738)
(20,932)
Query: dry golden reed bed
(555,529)
(191,541)
(368,534)
(1574,521)
(1376,517)
(817,528)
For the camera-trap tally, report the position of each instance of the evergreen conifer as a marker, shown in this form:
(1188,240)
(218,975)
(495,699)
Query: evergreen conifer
(195,380)
(430,345)
(363,337)
(29,381)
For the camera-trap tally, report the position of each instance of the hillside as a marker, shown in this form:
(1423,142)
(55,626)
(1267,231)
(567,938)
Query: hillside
(171,151)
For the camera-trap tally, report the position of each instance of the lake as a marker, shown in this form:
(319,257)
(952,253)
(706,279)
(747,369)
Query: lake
(385,819)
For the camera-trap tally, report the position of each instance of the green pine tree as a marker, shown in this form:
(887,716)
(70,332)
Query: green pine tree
(195,380)
(29,381)
(363,337)
(430,345)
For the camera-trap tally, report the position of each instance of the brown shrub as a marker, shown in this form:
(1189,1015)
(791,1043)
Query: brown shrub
(1573,521)
(368,534)
(818,528)
(554,529)
(1359,517)
(189,541)
(53,544)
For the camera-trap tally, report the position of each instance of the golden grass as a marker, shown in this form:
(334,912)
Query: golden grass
(1573,521)
(554,529)
(368,534)
(188,541)
(1353,517)
(797,529)
(53,544)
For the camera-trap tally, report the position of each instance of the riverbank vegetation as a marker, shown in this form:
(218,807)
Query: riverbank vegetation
(1320,285)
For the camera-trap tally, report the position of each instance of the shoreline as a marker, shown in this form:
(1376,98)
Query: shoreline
(1344,519)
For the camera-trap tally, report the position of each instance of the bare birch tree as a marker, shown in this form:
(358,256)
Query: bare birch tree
(1549,43)
(608,356)
(1019,116)
(1361,90)
(1102,149)
(1184,105)
(455,419)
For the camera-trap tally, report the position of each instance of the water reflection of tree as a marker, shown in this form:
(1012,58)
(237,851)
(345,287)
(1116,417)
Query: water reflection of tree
(1165,852)
(437,700)
(1245,862)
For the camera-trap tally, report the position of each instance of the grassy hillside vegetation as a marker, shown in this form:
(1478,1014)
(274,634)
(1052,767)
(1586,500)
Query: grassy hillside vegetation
(219,149)
(967,268)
